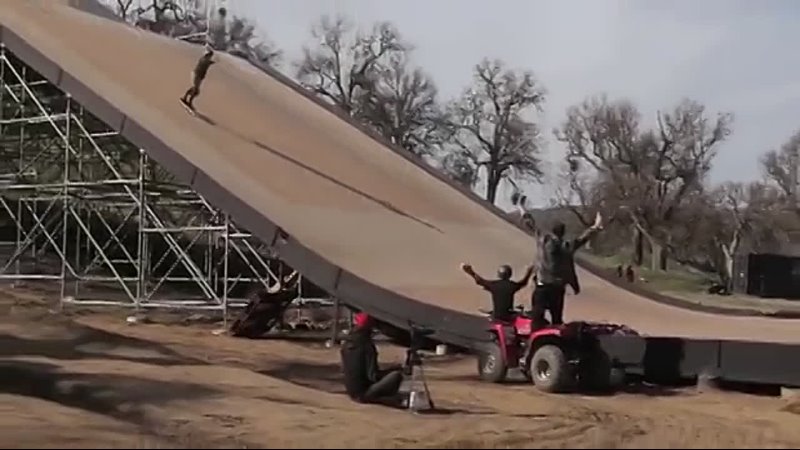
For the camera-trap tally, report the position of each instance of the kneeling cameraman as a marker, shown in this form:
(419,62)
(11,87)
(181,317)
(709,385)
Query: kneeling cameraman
(364,381)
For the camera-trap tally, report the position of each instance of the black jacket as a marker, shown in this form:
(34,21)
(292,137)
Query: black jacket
(556,259)
(359,363)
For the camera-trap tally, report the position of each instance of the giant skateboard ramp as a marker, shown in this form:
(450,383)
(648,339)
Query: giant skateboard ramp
(358,218)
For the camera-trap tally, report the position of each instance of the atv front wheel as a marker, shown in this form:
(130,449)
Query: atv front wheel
(491,365)
(549,369)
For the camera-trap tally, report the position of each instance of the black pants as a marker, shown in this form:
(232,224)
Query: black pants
(387,386)
(193,91)
(548,297)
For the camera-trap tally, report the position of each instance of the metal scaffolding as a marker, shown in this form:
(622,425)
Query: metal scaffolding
(81,205)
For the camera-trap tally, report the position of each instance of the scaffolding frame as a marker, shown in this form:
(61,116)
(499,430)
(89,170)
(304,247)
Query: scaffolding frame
(94,212)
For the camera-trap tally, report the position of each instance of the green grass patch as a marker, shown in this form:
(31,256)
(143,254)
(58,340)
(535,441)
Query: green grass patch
(677,279)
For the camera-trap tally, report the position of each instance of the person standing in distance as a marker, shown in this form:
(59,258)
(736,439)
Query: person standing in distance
(198,75)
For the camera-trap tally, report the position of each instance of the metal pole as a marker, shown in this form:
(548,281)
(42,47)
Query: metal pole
(2,109)
(2,82)
(66,206)
(337,313)
(208,256)
(225,271)
(34,247)
(140,237)
(21,162)
(77,250)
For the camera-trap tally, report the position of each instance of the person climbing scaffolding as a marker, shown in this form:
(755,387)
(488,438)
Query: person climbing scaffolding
(198,75)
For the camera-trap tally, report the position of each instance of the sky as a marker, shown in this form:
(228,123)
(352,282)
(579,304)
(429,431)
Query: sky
(732,55)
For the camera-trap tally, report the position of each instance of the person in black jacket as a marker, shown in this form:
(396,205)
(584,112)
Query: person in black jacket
(364,381)
(555,270)
(555,264)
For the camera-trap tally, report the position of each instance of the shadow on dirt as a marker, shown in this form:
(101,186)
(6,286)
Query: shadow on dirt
(118,396)
(635,388)
(758,389)
(445,411)
(792,408)
(632,387)
(323,377)
(328,378)
(512,382)
(87,342)
(307,339)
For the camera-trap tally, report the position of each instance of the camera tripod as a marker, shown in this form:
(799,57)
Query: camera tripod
(414,367)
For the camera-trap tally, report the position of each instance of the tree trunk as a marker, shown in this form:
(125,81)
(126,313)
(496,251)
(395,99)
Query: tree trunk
(638,247)
(655,254)
(728,280)
(663,260)
(728,252)
(492,183)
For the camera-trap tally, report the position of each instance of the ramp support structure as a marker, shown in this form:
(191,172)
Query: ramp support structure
(81,205)
(337,315)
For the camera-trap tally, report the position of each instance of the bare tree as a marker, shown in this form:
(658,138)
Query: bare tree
(186,19)
(459,169)
(123,7)
(781,167)
(731,217)
(345,64)
(245,42)
(576,191)
(401,103)
(650,173)
(169,18)
(489,128)
(604,139)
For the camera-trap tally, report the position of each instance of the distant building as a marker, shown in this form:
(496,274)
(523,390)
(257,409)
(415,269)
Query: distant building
(767,275)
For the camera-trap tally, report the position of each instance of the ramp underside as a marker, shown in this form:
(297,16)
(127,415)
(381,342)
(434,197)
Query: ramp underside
(363,222)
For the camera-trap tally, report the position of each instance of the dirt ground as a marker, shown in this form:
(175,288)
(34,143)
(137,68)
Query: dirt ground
(91,380)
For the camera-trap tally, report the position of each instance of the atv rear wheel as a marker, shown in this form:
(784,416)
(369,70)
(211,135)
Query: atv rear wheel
(491,365)
(549,369)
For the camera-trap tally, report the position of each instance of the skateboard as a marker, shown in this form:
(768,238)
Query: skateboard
(188,109)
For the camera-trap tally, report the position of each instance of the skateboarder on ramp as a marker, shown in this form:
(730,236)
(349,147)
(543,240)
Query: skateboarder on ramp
(198,75)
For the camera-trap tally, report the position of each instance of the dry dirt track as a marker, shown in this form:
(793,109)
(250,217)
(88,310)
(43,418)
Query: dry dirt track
(319,178)
(92,381)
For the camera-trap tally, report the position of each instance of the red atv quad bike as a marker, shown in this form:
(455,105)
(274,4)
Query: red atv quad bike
(560,357)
